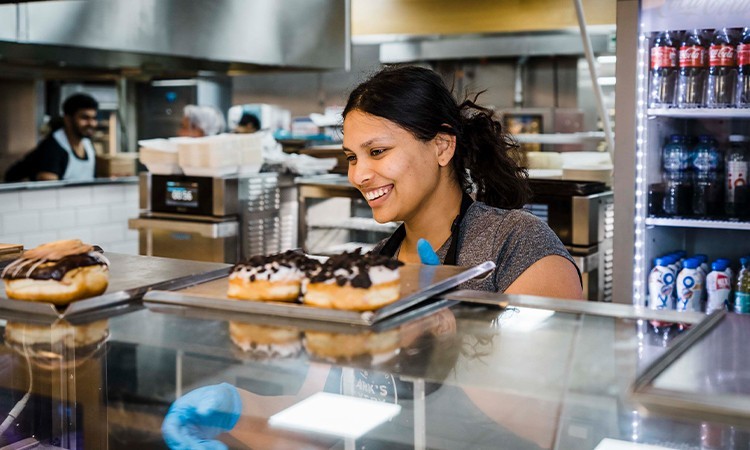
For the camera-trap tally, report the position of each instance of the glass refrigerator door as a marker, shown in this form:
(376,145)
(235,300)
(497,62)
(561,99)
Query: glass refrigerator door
(683,135)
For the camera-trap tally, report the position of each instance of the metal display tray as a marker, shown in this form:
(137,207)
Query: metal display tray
(418,283)
(130,277)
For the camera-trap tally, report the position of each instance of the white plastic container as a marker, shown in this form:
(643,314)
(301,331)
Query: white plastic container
(689,287)
(159,156)
(661,285)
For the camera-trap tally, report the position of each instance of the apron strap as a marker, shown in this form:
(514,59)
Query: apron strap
(394,242)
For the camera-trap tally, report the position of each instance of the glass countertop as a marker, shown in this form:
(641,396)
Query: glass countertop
(461,377)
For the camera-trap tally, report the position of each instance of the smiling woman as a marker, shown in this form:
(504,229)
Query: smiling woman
(417,155)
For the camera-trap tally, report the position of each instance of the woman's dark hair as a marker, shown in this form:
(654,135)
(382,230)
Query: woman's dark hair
(418,100)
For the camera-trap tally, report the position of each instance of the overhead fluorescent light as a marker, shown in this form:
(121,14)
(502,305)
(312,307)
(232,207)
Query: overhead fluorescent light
(333,414)
(607,81)
(606,59)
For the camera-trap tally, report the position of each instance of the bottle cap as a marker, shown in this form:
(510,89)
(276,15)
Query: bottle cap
(725,260)
(719,265)
(701,257)
(691,263)
(705,138)
(676,138)
(743,260)
(660,262)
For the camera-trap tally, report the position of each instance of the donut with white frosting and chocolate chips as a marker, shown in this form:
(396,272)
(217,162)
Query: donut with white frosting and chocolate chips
(265,342)
(270,278)
(356,282)
(57,272)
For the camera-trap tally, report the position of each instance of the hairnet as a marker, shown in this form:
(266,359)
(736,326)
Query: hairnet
(207,118)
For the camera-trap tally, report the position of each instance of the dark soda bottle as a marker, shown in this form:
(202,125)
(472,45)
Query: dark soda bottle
(678,195)
(693,63)
(722,70)
(743,70)
(663,71)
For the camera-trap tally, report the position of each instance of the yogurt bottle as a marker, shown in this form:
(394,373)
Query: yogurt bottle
(689,286)
(661,284)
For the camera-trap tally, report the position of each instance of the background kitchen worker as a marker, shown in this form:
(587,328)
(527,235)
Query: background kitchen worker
(67,153)
(248,123)
(199,121)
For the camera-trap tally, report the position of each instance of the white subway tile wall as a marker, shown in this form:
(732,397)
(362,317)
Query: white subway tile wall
(10,201)
(92,215)
(75,196)
(95,214)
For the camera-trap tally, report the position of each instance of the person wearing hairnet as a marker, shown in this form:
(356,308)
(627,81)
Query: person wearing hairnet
(199,121)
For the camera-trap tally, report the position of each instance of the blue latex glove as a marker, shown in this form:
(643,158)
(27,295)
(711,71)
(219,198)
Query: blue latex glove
(426,254)
(196,418)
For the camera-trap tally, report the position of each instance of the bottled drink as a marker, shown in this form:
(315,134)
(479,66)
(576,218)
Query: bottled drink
(689,286)
(736,203)
(722,70)
(661,285)
(663,70)
(708,189)
(742,289)
(718,287)
(678,195)
(743,70)
(693,61)
(703,260)
(727,263)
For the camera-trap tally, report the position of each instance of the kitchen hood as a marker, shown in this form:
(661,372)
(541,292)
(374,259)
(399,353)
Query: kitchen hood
(163,36)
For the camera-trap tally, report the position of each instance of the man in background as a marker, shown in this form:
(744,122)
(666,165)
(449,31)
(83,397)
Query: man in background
(67,153)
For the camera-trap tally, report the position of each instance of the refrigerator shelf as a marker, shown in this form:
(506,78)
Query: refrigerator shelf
(700,113)
(697,223)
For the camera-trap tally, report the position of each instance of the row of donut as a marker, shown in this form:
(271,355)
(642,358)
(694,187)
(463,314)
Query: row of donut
(350,281)
(64,271)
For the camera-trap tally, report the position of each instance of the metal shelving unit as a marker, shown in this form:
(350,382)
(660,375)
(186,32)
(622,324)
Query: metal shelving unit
(697,223)
(699,113)
(642,133)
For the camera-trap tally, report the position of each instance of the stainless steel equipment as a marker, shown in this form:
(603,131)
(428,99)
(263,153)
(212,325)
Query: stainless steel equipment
(211,36)
(160,103)
(582,215)
(219,219)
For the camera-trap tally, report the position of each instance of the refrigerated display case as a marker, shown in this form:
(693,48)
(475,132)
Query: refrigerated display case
(644,129)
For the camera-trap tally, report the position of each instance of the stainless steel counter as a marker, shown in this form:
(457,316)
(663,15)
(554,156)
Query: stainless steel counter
(36,185)
(530,376)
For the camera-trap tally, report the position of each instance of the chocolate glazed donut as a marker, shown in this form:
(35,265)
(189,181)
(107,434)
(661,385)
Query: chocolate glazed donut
(58,272)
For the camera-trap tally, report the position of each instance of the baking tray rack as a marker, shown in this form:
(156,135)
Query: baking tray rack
(130,277)
(418,283)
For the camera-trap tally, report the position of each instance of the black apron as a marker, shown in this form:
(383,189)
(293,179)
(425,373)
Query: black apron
(394,242)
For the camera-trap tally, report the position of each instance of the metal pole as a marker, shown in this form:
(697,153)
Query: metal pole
(594,78)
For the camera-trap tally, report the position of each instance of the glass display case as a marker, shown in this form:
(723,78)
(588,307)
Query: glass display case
(542,373)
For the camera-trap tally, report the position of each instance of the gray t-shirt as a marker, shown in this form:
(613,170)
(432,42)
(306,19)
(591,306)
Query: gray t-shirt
(513,239)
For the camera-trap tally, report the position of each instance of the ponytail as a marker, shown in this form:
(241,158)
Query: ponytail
(416,99)
(486,159)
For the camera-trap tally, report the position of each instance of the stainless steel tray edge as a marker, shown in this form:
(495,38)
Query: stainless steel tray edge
(298,311)
(437,288)
(105,300)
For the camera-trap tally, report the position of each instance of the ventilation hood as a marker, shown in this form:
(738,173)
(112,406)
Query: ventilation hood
(163,36)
